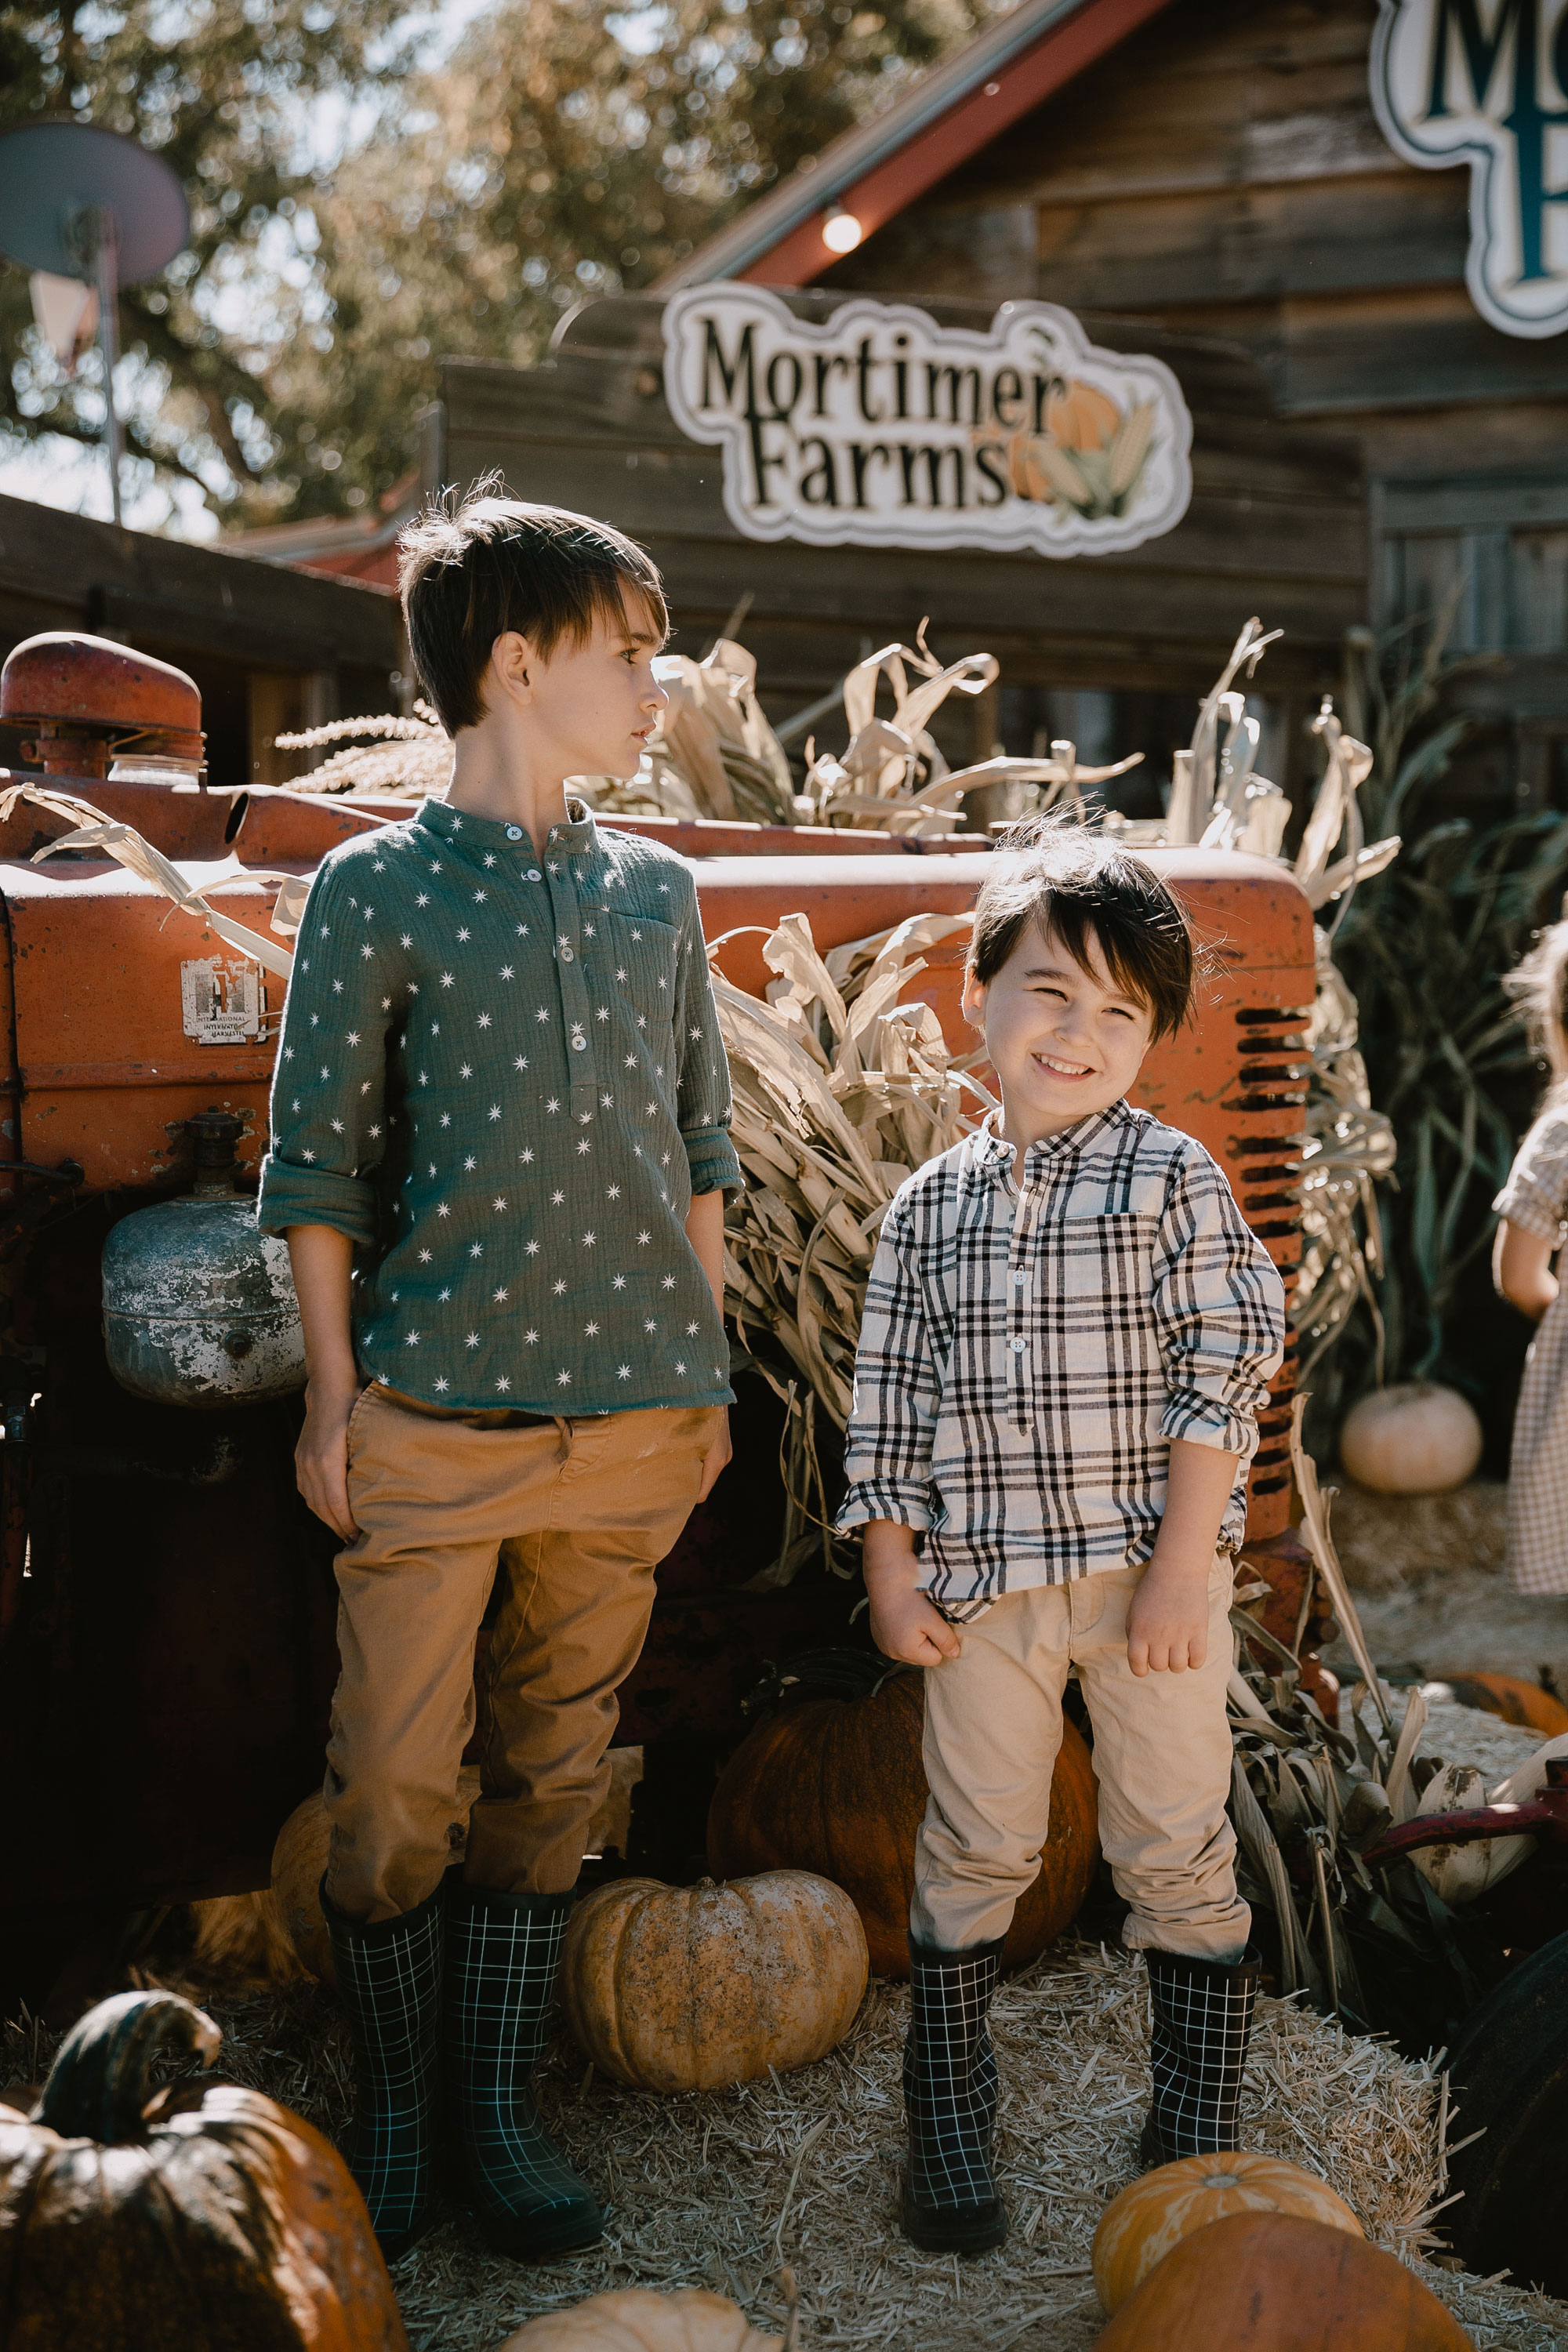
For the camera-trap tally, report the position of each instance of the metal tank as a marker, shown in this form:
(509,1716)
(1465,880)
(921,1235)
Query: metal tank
(199,1308)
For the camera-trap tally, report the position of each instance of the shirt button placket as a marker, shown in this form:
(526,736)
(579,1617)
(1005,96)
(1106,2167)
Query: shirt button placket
(575,1011)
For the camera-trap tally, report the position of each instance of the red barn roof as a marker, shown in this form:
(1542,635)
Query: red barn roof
(875,170)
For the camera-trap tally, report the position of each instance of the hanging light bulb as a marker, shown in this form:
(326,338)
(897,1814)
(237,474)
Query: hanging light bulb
(841,232)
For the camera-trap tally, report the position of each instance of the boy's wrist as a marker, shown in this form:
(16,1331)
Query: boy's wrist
(1167,1561)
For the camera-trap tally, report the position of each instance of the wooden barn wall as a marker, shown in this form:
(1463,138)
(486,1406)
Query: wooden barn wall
(1222,172)
(1276,524)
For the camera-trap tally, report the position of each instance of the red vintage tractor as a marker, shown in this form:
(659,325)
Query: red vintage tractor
(167,1647)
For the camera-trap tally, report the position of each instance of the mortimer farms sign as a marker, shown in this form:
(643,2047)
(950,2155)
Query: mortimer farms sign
(882,429)
(1486,83)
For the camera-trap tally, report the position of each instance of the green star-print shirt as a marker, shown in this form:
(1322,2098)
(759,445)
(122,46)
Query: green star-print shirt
(501,1077)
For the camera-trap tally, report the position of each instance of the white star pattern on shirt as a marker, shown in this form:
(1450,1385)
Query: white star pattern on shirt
(498,1202)
(472,1341)
(590,1330)
(530,1338)
(622,1371)
(499,1295)
(558,1290)
(448,979)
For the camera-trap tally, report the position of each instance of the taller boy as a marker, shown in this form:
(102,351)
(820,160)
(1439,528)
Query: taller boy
(1068,1330)
(500,1150)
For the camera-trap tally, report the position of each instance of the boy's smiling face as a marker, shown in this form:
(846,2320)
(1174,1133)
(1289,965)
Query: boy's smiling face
(1064,1042)
(591,707)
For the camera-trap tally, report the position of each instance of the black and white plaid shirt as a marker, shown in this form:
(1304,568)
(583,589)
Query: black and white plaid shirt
(1029,1349)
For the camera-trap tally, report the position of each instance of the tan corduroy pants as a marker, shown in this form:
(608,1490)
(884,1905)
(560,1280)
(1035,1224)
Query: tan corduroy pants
(574,1516)
(1161,1757)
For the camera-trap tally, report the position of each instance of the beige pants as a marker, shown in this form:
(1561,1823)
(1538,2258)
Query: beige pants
(575,1517)
(1161,1757)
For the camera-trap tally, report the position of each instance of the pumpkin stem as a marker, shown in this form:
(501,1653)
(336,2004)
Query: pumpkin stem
(97,2084)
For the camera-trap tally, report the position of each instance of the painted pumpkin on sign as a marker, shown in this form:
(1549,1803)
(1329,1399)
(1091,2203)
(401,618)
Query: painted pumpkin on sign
(838,1787)
(1138,2228)
(1276,2283)
(206,2216)
(692,1988)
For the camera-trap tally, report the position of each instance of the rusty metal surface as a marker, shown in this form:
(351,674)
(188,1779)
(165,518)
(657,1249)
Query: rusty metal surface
(96,681)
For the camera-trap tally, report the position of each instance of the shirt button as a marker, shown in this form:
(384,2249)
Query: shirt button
(1018,1274)
(567,956)
(514,833)
(534,875)
(1017,1346)
(579,1045)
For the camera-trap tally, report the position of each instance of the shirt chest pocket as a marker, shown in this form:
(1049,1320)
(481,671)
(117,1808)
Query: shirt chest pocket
(638,967)
(1095,1263)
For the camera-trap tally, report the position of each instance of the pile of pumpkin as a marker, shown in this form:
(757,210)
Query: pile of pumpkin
(208,2215)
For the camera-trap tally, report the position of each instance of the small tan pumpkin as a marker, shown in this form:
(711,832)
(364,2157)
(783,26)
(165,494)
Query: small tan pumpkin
(1277,2283)
(1414,1439)
(838,1787)
(636,2319)
(1138,2228)
(204,2216)
(299,1858)
(693,1987)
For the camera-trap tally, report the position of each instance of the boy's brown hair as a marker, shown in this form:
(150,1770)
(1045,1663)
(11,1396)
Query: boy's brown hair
(1064,878)
(471,569)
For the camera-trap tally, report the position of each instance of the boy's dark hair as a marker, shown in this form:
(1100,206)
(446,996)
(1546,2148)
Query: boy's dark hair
(473,568)
(1063,878)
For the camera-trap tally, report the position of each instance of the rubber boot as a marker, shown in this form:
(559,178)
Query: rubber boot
(1201,2025)
(389,1982)
(503,1952)
(950,2200)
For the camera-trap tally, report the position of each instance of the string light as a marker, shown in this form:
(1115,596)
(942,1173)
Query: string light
(841,232)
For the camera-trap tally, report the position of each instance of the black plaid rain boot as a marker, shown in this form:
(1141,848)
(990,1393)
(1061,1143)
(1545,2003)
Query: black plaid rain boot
(1201,2023)
(389,1982)
(950,2200)
(503,1953)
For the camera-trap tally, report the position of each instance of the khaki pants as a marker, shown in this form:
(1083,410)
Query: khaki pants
(1161,1757)
(575,1515)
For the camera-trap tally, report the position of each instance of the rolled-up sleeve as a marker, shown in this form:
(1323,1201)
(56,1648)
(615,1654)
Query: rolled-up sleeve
(888,1455)
(703,1105)
(328,1113)
(1220,1308)
(1536,1194)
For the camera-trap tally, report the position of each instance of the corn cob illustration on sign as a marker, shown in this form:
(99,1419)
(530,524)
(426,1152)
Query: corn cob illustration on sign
(878,427)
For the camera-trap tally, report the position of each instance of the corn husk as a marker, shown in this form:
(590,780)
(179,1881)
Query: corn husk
(839,1091)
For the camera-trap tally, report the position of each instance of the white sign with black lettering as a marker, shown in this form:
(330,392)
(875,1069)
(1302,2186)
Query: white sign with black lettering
(220,997)
(1485,82)
(879,428)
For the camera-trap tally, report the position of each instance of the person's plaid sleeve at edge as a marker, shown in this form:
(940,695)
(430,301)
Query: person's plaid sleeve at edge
(1219,1306)
(887,1457)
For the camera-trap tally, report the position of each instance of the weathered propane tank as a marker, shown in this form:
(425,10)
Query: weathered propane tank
(199,1308)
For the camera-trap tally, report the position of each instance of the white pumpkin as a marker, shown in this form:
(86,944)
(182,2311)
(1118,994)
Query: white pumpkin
(1416,1439)
(1463,1873)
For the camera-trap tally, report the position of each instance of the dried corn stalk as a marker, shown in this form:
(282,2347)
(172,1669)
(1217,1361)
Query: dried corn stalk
(1307,1800)
(407,758)
(839,1091)
(891,777)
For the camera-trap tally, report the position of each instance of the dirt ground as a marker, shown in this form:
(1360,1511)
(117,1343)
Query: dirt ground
(1429,1573)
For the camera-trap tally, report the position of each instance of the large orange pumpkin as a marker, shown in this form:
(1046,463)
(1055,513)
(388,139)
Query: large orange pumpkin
(637,2319)
(1138,2228)
(1514,1699)
(1276,2283)
(206,2216)
(693,1987)
(838,1787)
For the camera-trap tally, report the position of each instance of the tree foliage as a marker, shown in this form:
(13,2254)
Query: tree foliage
(565,148)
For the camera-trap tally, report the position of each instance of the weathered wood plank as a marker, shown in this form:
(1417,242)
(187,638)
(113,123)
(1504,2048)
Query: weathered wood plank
(189,595)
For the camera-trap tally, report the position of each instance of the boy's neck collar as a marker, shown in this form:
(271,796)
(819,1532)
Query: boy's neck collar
(496,836)
(994,1148)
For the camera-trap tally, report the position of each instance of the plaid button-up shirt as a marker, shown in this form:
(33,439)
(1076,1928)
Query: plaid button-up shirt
(1030,1348)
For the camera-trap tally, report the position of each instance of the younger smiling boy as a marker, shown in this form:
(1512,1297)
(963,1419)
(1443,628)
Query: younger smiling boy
(500,1150)
(1069,1331)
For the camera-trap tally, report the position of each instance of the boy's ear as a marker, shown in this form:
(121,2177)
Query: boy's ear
(972,1002)
(512,664)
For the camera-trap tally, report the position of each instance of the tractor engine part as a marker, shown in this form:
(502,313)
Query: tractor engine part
(199,1308)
